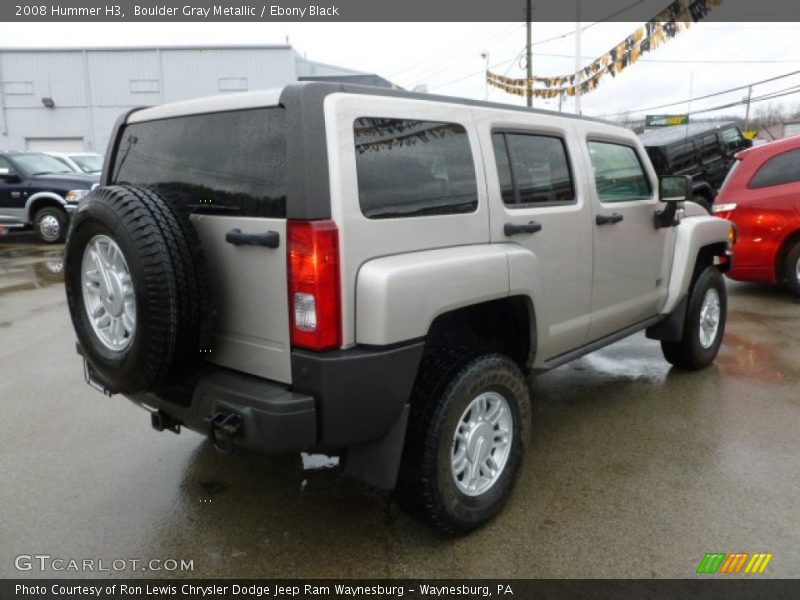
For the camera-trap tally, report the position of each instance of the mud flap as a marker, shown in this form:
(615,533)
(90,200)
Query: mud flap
(671,328)
(377,463)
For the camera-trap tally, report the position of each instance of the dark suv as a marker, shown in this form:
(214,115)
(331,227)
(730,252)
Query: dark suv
(703,151)
(39,190)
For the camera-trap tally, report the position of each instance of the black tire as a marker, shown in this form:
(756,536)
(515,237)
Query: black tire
(791,268)
(689,353)
(447,384)
(50,225)
(165,262)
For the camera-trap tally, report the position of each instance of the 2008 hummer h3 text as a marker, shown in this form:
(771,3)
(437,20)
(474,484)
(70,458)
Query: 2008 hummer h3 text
(374,273)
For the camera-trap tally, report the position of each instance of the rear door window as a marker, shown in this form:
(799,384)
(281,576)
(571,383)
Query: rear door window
(410,168)
(618,172)
(221,163)
(778,170)
(533,169)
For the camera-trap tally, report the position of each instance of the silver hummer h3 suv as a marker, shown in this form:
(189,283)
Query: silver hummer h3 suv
(374,273)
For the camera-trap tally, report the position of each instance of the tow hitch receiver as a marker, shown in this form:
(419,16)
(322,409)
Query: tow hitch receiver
(163,422)
(223,428)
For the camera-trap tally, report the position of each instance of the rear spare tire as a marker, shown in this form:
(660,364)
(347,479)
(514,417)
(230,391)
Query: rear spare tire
(134,277)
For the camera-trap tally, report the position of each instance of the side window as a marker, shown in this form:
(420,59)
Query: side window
(780,169)
(533,169)
(413,168)
(732,139)
(709,146)
(5,166)
(682,155)
(503,168)
(618,172)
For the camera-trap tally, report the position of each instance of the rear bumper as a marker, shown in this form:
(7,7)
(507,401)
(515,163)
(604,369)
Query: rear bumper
(274,419)
(338,400)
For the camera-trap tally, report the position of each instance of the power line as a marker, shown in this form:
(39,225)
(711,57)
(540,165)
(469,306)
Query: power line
(450,57)
(590,25)
(711,95)
(426,66)
(474,73)
(769,96)
(689,61)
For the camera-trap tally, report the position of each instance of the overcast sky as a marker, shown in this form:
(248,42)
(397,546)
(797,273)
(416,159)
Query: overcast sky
(446,57)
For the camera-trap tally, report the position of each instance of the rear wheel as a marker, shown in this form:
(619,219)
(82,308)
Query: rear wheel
(467,434)
(50,224)
(791,268)
(704,326)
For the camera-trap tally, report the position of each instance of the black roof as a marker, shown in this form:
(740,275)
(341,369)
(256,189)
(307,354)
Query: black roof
(664,136)
(320,89)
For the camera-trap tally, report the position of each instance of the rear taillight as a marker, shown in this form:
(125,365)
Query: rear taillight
(314,298)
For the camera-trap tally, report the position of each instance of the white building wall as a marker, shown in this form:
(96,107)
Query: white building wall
(92,87)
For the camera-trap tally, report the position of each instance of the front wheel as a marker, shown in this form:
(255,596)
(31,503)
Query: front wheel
(791,268)
(50,225)
(467,433)
(705,323)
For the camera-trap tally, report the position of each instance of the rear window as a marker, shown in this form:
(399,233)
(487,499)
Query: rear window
(413,168)
(778,170)
(228,162)
(533,169)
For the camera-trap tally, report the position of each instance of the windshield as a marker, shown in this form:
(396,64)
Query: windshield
(40,164)
(89,163)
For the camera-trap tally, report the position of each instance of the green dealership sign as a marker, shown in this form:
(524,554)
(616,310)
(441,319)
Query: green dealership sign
(665,120)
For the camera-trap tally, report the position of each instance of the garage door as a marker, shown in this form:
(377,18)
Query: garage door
(55,144)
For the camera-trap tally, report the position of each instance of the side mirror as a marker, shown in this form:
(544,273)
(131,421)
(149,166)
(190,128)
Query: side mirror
(675,188)
(672,189)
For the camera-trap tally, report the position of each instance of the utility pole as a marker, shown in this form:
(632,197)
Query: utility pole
(485,57)
(747,110)
(578,77)
(528,59)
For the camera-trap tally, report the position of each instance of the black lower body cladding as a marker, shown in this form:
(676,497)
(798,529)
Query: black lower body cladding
(161,267)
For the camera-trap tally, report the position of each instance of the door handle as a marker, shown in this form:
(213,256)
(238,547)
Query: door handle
(608,219)
(514,229)
(270,239)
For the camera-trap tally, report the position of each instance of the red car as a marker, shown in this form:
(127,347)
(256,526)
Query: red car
(761,195)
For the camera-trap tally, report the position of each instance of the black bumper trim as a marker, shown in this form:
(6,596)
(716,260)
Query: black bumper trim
(274,418)
(360,391)
(339,399)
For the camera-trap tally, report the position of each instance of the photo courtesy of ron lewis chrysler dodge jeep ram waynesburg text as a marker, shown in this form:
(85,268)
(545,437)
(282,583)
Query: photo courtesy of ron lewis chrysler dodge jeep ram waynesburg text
(374,273)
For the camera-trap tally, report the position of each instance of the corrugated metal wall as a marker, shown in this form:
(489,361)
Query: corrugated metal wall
(90,88)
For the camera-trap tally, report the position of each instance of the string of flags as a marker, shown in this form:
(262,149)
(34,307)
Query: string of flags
(659,30)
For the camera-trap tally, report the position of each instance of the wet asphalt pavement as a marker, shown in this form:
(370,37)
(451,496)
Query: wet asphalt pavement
(634,469)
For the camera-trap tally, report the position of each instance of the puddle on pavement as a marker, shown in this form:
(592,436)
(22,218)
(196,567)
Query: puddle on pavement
(26,267)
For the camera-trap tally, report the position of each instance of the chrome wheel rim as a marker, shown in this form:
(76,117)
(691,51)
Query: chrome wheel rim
(709,318)
(49,227)
(481,444)
(108,294)
(797,270)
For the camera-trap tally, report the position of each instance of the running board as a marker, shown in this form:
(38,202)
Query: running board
(561,359)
